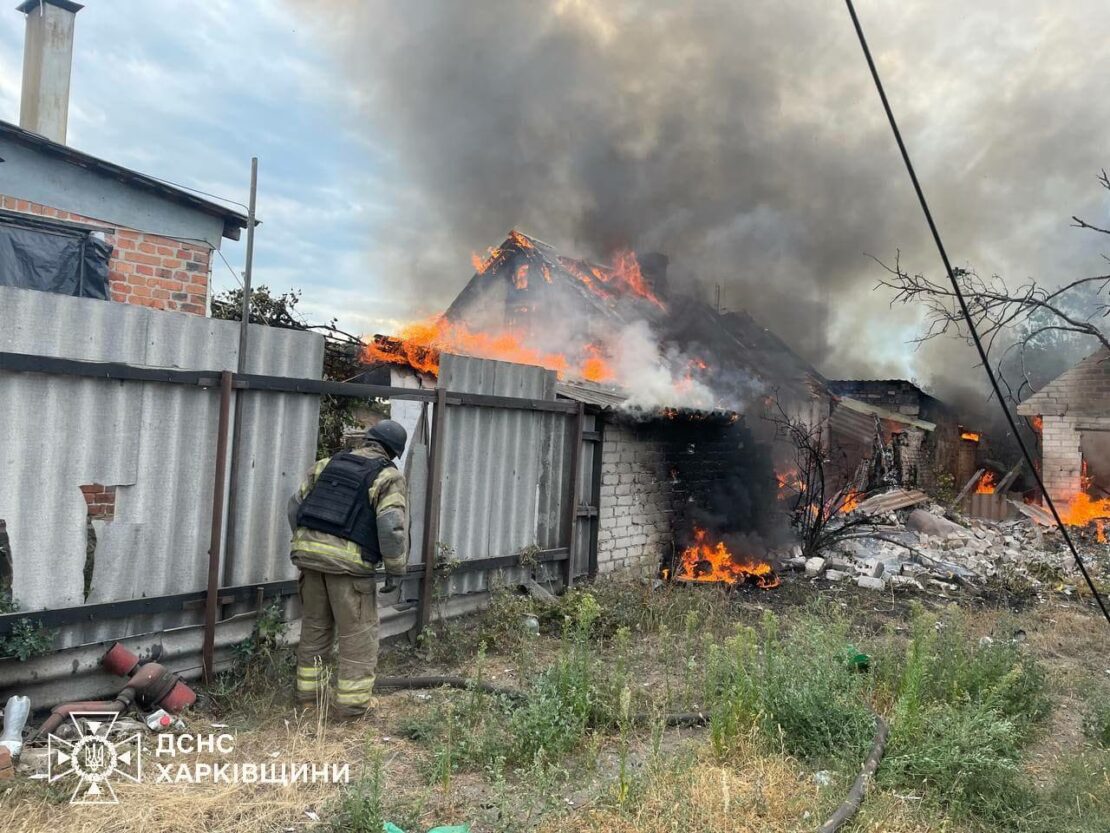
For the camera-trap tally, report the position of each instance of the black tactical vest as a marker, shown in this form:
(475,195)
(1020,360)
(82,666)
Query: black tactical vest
(339,503)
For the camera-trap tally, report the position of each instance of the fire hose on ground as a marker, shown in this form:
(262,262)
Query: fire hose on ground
(850,805)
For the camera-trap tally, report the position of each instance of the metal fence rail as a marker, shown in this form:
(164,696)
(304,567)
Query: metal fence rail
(550,443)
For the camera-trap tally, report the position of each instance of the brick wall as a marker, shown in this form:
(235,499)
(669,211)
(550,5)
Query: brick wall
(893,394)
(635,511)
(1061,458)
(1076,400)
(913,457)
(660,478)
(144,269)
(1084,389)
(101,501)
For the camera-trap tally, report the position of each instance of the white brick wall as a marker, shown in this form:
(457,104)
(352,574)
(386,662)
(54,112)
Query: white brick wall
(634,513)
(1061,459)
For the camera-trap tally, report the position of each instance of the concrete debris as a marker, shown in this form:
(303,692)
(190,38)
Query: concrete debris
(920,550)
(929,524)
(870,583)
(905,581)
(871,567)
(815,566)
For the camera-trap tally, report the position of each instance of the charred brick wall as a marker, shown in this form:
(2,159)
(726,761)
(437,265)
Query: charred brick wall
(661,478)
(897,395)
(145,269)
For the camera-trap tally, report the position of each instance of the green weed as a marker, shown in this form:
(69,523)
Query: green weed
(1096,721)
(798,688)
(262,664)
(360,808)
(965,711)
(27,638)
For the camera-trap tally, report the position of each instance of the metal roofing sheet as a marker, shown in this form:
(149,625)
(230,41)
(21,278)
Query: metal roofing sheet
(592,394)
(856,420)
(233,218)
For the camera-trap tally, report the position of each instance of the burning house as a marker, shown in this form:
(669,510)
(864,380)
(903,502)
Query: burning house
(1072,415)
(675,389)
(924,435)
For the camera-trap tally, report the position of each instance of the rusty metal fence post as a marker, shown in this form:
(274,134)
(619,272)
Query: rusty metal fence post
(214,543)
(431,510)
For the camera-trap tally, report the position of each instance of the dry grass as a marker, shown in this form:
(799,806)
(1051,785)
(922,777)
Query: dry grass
(682,789)
(150,806)
(755,792)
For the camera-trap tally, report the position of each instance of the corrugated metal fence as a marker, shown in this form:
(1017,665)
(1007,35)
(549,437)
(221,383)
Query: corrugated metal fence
(100,393)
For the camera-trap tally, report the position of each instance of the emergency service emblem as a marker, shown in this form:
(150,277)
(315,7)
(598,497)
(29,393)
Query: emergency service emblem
(94,760)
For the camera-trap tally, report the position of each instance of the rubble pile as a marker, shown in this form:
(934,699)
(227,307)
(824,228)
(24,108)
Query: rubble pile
(922,549)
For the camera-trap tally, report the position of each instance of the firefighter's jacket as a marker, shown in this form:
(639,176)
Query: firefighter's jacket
(326,553)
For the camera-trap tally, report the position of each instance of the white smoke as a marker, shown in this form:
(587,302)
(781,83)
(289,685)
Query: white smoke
(654,376)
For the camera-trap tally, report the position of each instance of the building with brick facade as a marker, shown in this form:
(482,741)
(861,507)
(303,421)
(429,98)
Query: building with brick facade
(156,242)
(1074,413)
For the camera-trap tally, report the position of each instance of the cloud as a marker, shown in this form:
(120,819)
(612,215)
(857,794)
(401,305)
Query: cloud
(188,92)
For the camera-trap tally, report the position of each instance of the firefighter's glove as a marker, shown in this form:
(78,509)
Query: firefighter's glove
(390,593)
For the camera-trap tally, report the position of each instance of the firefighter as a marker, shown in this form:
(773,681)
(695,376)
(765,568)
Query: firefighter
(348,515)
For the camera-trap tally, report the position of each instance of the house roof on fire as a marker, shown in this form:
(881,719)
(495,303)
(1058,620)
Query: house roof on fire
(1082,390)
(524,272)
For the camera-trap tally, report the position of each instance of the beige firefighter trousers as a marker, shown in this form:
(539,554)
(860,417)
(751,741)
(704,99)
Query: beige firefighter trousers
(333,604)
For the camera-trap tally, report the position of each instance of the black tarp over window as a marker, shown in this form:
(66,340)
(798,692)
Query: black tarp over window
(53,257)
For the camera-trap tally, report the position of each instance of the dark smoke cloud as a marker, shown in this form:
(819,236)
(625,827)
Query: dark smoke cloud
(742,139)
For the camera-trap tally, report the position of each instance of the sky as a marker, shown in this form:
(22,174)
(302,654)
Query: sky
(189,92)
(742,139)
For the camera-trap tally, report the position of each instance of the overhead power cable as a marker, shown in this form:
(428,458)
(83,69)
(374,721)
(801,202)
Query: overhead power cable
(967,313)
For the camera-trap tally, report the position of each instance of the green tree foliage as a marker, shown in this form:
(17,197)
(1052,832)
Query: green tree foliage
(342,352)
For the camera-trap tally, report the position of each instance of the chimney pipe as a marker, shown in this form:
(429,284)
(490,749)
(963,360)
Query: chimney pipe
(47,59)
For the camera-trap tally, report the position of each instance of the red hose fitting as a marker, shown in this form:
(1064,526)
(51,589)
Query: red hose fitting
(155,686)
(120,660)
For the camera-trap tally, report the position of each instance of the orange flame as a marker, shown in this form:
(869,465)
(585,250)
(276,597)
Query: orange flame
(1083,509)
(790,482)
(1038,424)
(974,436)
(987,483)
(703,561)
(594,366)
(624,276)
(851,501)
(520,277)
(418,346)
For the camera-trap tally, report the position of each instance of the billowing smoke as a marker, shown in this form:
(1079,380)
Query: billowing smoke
(654,376)
(744,140)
